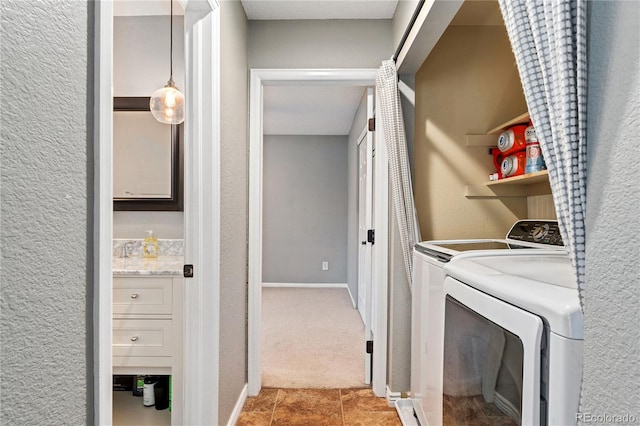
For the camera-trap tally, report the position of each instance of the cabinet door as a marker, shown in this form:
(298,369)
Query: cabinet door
(142,295)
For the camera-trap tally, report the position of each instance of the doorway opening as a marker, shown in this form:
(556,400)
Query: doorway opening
(264,269)
(199,387)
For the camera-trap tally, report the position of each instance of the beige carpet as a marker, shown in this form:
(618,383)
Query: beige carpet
(311,338)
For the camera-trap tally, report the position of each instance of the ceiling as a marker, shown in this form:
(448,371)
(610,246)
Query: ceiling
(479,12)
(310,110)
(274,9)
(319,9)
(146,7)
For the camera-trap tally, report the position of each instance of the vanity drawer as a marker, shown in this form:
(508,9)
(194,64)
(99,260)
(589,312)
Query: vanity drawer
(137,295)
(142,338)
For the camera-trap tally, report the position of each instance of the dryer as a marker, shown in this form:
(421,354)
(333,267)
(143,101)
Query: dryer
(428,303)
(513,339)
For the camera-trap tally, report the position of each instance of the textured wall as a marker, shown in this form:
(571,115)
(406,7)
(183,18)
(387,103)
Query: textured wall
(319,44)
(140,67)
(46,79)
(304,209)
(612,296)
(233,206)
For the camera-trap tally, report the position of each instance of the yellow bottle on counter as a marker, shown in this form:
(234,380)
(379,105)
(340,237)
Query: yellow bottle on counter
(150,246)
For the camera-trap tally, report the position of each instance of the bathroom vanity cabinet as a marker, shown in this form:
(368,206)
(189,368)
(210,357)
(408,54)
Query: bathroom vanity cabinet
(147,305)
(147,324)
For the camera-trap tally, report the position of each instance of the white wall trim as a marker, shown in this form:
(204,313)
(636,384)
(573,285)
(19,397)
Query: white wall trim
(392,397)
(320,77)
(202,213)
(353,301)
(254,329)
(432,21)
(313,285)
(103,214)
(258,79)
(237,409)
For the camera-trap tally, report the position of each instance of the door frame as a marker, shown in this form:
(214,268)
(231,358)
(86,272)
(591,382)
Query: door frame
(346,77)
(202,200)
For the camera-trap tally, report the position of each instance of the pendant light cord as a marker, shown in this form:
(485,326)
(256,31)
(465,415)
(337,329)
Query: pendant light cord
(171,42)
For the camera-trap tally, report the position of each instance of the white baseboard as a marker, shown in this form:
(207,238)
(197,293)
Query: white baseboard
(306,285)
(353,302)
(313,285)
(235,415)
(392,397)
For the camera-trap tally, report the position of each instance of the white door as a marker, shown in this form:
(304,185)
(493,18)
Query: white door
(365,224)
(364,253)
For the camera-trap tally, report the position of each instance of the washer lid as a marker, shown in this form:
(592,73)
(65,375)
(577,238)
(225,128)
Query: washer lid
(444,250)
(543,284)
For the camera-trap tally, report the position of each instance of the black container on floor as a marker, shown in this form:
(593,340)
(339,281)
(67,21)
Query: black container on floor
(162,393)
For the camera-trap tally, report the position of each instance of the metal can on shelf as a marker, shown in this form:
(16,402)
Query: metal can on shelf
(535,161)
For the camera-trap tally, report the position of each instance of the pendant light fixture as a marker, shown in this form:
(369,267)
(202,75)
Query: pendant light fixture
(167,104)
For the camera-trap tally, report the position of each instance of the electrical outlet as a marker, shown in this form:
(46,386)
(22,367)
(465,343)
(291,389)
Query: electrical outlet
(325,265)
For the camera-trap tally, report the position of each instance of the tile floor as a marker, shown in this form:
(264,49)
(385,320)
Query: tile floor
(317,407)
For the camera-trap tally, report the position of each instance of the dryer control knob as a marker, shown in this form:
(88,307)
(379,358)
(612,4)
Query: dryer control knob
(539,232)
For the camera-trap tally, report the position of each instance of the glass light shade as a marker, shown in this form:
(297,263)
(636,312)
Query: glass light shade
(167,105)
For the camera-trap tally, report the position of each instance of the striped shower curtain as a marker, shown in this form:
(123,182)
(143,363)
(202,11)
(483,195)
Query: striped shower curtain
(548,38)
(399,169)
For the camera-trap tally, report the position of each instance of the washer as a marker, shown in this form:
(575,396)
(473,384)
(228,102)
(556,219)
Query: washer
(428,306)
(515,318)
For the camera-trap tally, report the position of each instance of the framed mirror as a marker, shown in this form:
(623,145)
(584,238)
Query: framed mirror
(147,159)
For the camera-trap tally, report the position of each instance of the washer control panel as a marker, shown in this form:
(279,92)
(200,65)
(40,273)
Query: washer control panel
(536,231)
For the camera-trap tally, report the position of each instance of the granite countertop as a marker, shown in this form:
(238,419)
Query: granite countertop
(169,262)
(163,265)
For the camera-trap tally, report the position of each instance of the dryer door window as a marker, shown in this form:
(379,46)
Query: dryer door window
(491,360)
